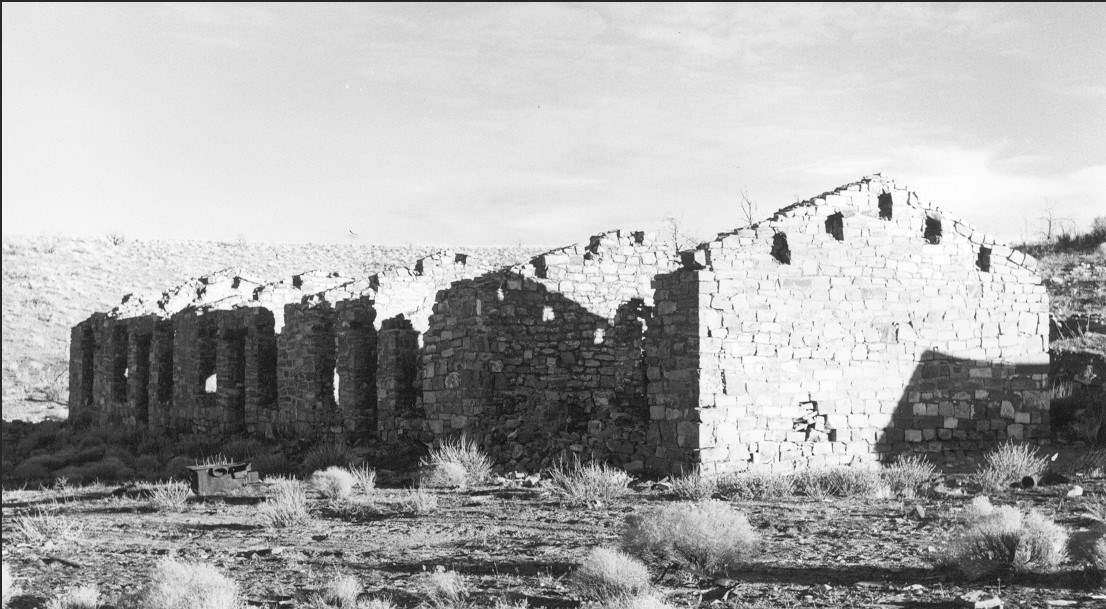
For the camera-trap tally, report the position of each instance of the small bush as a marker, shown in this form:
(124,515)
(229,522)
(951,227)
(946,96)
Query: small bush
(418,502)
(755,486)
(694,487)
(1095,506)
(589,484)
(1005,539)
(707,537)
(326,455)
(342,591)
(909,476)
(464,453)
(446,588)
(287,507)
(364,478)
(80,597)
(333,482)
(639,602)
(443,474)
(47,525)
(609,574)
(839,482)
(1009,463)
(1098,556)
(182,585)
(376,603)
(170,496)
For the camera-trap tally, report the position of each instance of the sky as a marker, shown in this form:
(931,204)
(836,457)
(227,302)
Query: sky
(538,124)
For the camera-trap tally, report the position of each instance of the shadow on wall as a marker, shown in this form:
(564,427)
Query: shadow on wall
(534,375)
(952,406)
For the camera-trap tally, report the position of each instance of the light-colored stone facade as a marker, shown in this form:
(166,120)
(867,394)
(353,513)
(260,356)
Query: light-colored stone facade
(853,326)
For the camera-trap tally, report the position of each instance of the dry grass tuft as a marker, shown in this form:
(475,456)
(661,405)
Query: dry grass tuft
(609,574)
(909,476)
(182,585)
(589,484)
(1009,463)
(1005,539)
(287,507)
(170,496)
(364,478)
(80,597)
(694,487)
(443,474)
(333,482)
(460,453)
(418,502)
(708,537)
(755,486)
(446,589)
(341,591)
(638,602)
(48,526)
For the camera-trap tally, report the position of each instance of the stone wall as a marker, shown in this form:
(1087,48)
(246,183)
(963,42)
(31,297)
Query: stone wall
(858,324)
(544,359)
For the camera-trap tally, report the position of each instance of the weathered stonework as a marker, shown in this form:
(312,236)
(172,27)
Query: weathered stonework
(853,326)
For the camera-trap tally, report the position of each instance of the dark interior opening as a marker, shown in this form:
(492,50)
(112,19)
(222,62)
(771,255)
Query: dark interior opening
(983,261)
(780,251)
(540,270)
(234,386)
(885,206)
(88,364)
(119,363)
(142,380)
(205,347)
(933,230)
(835,225)
(165,369)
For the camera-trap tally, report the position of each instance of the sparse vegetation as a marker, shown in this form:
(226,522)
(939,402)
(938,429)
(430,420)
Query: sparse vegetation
(446,589)
(44,525)
(1005,539)
(637,602)
(588,484)
(840,482)
(708,537)
(333,482)
(608,574)
(79,597)
(755,486)
(364,478)
(183,585)
(1009,463)
(419,502)
(286,507)
(909,476)
(694,487)
(443,475)
(460,453)
(340,591)
(170,495)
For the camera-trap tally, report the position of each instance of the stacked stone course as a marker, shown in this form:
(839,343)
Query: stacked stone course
(855,325)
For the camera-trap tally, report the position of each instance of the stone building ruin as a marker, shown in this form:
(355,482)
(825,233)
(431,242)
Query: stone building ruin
(850,327)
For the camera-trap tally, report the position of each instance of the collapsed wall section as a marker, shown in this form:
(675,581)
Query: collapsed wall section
(855,325)
(544,360)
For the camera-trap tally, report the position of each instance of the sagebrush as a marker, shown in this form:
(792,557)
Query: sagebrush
(607,573)
(694,487)
(286,507)
(79,597)
(588,484)
(707,537)
(1010,463)
(1006,539)
(183,585)
(462,452)
(333,482)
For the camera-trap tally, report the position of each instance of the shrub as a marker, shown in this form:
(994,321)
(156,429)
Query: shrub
(376,603)
(333,482)
(446,588)
(170,496)
(839,482)
(1095,506)
(342,591)
(419,502)
(181,585)
(609,574)
(909,476)
(639,602)
(1098,556)
(694,487)
(364,478)
(755,486)
(47,525)
(708,537)
(324,455)
(588,484)
(80,597)
(462,452)
(1005,539)
(1009,463)
(287,507)
(443,475)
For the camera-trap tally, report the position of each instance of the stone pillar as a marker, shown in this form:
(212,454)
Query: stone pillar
(356,363)
(396,375)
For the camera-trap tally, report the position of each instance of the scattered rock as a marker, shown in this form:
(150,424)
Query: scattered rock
(918,512)
(1076,491)
(977,599)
